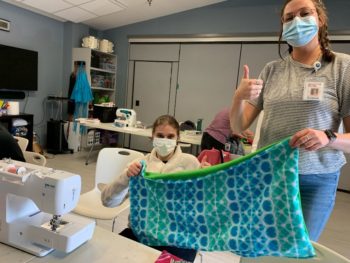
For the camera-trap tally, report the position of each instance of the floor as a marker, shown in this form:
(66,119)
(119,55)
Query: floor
(336,235)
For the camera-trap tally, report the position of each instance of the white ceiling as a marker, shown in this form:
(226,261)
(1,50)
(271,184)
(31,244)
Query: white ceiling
(106,14)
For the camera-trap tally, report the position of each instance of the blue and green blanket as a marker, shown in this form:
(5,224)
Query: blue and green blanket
(250,206)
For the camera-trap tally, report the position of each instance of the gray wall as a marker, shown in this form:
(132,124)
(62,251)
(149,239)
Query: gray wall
(53,40)
(44,35)
(230,17)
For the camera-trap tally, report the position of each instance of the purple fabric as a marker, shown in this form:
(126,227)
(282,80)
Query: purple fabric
(219,128)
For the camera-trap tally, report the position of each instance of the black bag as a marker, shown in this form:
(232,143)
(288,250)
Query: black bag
(187,126)
(234,145)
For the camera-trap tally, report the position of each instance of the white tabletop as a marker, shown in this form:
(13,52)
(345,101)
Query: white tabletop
(323,255)
(192,139)
(105,246)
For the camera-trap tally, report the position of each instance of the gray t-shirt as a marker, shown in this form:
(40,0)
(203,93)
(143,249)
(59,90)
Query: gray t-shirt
(285,111)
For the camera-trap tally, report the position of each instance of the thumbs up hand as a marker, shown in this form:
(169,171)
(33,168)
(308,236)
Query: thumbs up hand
(248,89)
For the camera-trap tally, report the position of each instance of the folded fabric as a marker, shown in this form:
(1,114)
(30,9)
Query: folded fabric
(166,257)
(249,206)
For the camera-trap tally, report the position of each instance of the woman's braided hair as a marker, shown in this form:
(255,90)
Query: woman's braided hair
(323,39)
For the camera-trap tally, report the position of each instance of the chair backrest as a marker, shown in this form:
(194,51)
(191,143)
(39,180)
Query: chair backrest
(22,142)
(111,162)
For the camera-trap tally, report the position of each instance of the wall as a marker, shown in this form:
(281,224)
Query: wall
(53,40)
(230,17)
(36,32)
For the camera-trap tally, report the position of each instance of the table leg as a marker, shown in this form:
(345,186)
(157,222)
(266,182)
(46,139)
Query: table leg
(92,147)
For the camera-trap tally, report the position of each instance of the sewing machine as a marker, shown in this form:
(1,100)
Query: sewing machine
(34,206)
(125,118)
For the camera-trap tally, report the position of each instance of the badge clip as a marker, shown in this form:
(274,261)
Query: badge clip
(317,65)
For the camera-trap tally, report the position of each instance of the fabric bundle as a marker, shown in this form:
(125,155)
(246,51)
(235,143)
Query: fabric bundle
(249,206)
(81,95)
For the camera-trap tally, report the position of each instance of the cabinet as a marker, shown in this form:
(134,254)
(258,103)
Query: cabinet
(101,70)
(7,121)
(190,81)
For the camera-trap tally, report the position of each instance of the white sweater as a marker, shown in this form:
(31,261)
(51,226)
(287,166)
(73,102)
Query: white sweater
(115,192)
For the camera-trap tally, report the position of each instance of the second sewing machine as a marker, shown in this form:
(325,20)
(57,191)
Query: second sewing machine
(32,200)
(125,118)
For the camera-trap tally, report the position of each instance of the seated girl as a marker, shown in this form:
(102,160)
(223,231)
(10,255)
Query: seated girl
(166,157)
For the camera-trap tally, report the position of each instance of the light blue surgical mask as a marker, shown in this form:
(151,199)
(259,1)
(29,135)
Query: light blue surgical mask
(300,31)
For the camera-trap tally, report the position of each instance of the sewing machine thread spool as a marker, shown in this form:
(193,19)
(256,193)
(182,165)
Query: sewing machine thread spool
(13,169)
(21,170)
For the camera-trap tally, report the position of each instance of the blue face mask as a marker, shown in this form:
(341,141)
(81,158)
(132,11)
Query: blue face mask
(300,31)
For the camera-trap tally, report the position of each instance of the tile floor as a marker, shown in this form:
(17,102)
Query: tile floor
(336,235)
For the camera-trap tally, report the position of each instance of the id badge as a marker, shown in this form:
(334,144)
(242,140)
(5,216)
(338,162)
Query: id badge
(314,88)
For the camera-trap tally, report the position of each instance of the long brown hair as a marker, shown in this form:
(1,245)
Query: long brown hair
(166,120)
(323,39)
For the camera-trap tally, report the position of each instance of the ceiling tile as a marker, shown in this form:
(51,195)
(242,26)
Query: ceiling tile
(78,2)
(122,3)
(102,7)
(75,14)
(49,6)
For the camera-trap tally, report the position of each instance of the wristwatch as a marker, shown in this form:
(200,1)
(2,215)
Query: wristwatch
(330,135)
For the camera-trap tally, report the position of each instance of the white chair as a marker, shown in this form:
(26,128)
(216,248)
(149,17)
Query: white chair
(323,255)
(22,142)
(110,163)
(34,158)
(30,157)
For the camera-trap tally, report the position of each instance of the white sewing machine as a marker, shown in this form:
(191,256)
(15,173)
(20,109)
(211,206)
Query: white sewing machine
(125,118)
(32,200)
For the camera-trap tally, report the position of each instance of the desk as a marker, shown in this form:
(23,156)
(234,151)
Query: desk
(185,138)
(105,246)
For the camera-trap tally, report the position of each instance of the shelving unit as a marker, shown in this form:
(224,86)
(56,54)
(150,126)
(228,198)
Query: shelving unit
(101,69)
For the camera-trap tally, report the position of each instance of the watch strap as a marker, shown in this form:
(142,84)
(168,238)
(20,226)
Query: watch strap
(330,135)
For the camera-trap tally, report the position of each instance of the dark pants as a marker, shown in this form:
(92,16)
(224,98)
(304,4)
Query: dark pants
(208,142)
(183,253)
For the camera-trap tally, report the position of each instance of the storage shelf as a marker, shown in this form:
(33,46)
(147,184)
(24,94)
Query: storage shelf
(103,70)
(100,88)
(102,53)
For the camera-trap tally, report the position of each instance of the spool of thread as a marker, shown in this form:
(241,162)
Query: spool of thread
(13,108)
(13,169)
(21,170)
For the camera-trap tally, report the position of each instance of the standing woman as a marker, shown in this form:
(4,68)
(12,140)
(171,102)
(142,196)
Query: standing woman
(305,95)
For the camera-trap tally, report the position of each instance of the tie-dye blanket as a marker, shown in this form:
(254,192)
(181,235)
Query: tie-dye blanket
(249,206)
